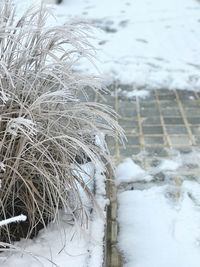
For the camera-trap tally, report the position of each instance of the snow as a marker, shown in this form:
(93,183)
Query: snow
(170,165)
(100,140)
(149,43)
(159,234)
(97,237)
(137,93)
(179,161)
(62,243)
(15,219)
(86,172)
(58,245)
(129,171)
(160,224)
(131,94)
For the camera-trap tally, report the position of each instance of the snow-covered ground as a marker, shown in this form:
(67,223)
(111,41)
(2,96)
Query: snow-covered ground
(58,244)
(150,43)
(158,231)
(67,243)
(159,224)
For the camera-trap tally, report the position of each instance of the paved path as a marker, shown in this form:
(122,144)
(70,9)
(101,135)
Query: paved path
(155,126)
(164,120)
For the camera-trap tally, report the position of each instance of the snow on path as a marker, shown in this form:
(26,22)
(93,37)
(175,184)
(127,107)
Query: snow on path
(156,233)
(150,43)
(160,224)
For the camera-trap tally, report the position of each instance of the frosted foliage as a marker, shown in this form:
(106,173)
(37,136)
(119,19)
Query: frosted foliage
(47,124)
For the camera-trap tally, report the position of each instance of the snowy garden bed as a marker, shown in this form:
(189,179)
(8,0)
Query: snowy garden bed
(53,152)
(67,243)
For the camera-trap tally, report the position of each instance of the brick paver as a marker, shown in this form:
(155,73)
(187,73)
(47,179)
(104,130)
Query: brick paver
(166,119)
(155,127)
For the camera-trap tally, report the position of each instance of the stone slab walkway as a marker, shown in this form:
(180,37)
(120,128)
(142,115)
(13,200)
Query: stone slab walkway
(164,120)
(155,126)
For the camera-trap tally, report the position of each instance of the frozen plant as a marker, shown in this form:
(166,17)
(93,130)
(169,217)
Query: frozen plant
(20,218)
(47,126)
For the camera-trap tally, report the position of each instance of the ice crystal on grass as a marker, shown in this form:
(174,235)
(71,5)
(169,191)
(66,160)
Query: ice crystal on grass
(3,97)
(25,126)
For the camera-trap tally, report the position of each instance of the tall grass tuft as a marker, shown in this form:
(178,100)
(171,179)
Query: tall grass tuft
(46,125)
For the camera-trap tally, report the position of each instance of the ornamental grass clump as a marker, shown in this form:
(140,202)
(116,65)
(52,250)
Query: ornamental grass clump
(46,125)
